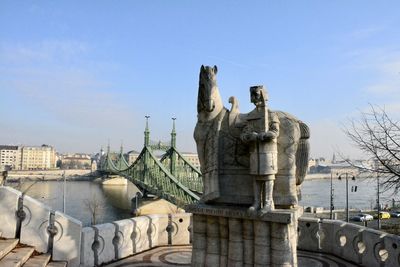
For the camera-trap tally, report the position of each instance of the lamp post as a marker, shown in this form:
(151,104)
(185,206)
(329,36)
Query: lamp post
(378,201)
(347,191)
(331,207)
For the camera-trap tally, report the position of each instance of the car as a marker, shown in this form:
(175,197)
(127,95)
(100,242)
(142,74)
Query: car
(362,217)
(395,214)
(382,215)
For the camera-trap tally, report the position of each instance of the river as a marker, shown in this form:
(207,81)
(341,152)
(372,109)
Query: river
(114,201)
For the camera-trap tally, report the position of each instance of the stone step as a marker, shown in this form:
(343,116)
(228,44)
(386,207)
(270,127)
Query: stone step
(57,264)
(16,257)
(38,261)
(6,245)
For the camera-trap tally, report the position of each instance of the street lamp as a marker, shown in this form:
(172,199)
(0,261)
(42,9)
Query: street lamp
(347,191)
(378,201)
(331,207)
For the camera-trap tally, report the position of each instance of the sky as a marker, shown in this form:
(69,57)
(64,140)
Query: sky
(75,74)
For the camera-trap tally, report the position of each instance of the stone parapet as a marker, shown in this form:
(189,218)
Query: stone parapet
(354,243)
(231,236)
(113,241)
(36,225)
(9,199)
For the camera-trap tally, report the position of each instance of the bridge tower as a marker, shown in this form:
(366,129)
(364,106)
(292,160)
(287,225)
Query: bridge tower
(146,155)
(173,148)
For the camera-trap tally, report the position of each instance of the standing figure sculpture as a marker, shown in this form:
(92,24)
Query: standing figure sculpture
(261,133)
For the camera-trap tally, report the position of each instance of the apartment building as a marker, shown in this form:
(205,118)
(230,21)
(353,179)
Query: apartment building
(38,157)
(9,157)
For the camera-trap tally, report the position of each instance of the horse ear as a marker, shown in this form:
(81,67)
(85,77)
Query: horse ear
(215,69)
(202,68)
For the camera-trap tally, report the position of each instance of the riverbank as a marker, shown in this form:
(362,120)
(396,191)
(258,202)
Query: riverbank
(322,176)
(51,175)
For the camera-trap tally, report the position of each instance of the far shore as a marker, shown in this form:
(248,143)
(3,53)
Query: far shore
(50,175)
(323,176)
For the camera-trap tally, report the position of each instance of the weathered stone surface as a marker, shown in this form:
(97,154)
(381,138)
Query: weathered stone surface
(6,245)
(8,207)
(123,241)
(159,224)
(38,261)
(143,235)
(248,242)
(17,257)
(87,247)
(34,226)
(392,245)
(329,242)
(67,241)
(104,247)
(373,240)
(181,223)
(278,215)
(225,155)
(213,243)
(199,240)
(235,253)
(309,235)
(240,154)
(224,244)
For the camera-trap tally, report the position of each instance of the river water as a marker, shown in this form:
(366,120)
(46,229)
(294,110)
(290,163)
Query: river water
(317,193)
(114,201)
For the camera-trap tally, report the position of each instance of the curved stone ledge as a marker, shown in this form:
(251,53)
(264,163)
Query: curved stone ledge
(113,241)
(354,243)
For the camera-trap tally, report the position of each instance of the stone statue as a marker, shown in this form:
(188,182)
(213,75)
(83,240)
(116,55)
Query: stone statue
(250,162)
(261,132)
(225,154)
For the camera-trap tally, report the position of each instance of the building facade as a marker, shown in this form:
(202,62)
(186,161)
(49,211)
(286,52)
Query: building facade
(38,157)
(9,157)
(76,161)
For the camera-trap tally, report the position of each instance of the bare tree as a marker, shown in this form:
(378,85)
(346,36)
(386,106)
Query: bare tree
(378,136)
(94,205)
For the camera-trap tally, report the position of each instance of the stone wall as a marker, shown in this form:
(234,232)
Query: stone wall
(113,241)
(354,243)
(36,225)
(49,231)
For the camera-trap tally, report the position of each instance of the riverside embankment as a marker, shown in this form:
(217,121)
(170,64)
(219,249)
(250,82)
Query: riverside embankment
(51,175)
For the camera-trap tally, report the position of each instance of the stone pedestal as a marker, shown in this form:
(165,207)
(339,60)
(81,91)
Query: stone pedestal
(231,236)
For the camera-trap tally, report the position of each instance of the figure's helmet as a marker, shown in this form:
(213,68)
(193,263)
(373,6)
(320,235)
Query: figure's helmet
(260,92)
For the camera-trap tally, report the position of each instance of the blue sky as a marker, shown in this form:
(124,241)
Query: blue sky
(75,73)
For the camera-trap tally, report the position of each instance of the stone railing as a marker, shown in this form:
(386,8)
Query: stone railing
(53,232)
(36,225)
(351,242)
(113,241)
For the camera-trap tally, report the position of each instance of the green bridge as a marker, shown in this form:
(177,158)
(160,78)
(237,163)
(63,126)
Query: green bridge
(171,177)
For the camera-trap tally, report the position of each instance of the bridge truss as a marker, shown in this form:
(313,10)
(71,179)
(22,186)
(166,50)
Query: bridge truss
(171,177)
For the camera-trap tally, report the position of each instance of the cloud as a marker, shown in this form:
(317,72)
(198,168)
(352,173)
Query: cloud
(46,51)
(61,95)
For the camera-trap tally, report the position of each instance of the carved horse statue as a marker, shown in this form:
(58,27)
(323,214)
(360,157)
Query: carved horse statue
(224,159)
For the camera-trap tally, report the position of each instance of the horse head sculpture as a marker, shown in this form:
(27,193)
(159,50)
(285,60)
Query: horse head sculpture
(209,102)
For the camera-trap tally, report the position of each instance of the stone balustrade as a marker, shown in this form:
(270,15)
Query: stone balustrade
(35,224)
(351,242)
(49,231)
(113,241)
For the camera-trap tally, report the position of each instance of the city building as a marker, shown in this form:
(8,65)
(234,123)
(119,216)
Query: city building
(192,158)
(132,156)
(9,157)
(37,157)
(76,161)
